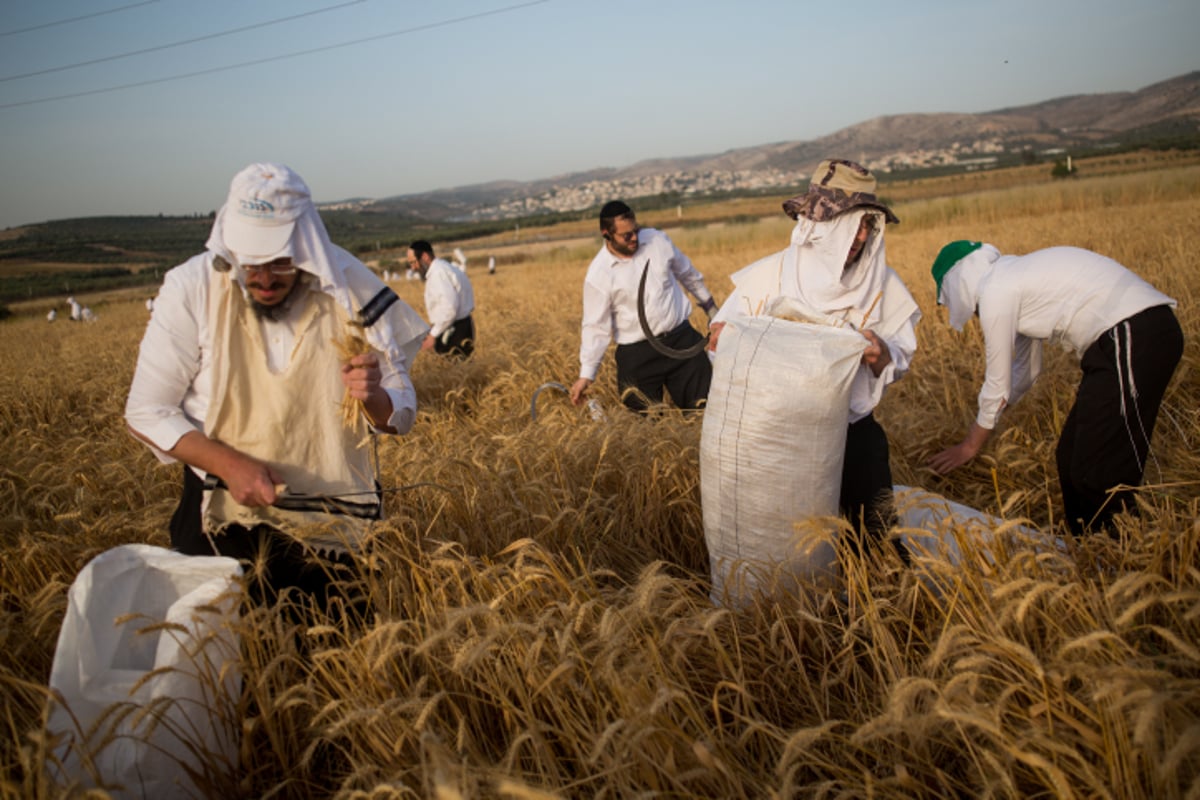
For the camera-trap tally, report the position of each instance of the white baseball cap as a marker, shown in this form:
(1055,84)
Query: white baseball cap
(264,202)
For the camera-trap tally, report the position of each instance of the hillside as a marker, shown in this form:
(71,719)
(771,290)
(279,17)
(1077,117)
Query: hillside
(1165,111)
(99,253)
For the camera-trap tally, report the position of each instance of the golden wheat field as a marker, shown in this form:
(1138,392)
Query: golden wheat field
(542,625)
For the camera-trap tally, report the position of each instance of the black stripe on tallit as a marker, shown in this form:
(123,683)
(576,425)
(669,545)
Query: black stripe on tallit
(375,307)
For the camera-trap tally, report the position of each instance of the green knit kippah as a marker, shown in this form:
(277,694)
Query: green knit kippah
(950,255)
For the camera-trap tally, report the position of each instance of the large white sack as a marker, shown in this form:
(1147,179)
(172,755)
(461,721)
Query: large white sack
(937,530)
(180,679)
(771,450)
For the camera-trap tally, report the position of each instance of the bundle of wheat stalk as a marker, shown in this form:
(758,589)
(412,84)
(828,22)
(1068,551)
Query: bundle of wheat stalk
(352,343)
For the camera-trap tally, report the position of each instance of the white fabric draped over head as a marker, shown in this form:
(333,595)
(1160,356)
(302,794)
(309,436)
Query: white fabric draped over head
(960,287)
(819,251)
(313,252)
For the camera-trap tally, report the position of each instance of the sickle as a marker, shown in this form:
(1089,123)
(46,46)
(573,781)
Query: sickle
(654,341)
(335,504)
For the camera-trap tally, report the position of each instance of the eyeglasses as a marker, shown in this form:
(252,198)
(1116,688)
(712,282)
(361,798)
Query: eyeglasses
(628,236)
(279,267)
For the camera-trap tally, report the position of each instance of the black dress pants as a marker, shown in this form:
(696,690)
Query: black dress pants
(649,372)
(1106,438)
(867,497)
(275,562)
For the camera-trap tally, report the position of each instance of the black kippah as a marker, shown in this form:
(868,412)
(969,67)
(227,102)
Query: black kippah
(613,209)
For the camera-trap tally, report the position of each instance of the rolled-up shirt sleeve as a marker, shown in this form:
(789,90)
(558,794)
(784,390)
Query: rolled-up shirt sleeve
(161,406)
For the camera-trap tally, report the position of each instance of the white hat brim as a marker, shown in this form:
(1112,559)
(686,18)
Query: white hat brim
(248,241)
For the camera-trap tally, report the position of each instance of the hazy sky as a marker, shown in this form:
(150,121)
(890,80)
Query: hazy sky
(371,98)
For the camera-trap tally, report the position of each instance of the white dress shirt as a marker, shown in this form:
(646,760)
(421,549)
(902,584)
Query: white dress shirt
(1064,295)
(610,291)
(448,295)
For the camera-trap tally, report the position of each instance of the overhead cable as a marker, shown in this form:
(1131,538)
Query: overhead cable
(75,19)
(428,26)
(180,43)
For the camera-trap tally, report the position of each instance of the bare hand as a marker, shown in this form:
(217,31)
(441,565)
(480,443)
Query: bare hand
(428,342)
(954,457)
(363,380)
(362,376)
(251,482)
(951,458)
(877,355)
(714,333)
(579,390)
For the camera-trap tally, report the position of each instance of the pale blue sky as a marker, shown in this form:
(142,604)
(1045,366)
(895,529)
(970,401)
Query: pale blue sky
(533,91)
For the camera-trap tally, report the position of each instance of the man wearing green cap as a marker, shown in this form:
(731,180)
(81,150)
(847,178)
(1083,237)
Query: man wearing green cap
(1129,343)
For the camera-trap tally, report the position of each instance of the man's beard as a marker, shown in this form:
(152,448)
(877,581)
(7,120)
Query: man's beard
(280,309)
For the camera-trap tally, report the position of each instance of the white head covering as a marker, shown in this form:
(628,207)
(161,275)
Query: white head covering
(818,253)
(269,213)
(960,287)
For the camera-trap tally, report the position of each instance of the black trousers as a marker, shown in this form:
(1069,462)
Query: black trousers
(641,367)
(867,497)
(275,562)
(1106,438)
(461,341)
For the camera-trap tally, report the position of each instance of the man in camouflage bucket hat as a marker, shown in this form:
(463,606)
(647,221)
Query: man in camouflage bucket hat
(836,266)
(837,186)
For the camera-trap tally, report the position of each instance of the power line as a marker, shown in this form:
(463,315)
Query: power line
(180,43)
(76,19)
(298,53)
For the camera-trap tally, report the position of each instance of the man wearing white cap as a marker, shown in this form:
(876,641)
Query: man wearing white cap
(1124,331)
(836,267)
(239,377)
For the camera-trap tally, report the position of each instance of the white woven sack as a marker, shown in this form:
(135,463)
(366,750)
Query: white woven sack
(771,449)
(935,524)
(113,639)
(939,532)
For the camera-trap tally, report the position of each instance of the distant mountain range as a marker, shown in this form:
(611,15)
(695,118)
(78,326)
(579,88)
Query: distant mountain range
(1161,112)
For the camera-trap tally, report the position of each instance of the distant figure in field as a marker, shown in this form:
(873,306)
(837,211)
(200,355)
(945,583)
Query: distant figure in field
(150,304)
(86,315)
(460,258)
(242,377)
(1124,331)
(491,265)
(76,309)
(51,315)
(449,303)
(610,291)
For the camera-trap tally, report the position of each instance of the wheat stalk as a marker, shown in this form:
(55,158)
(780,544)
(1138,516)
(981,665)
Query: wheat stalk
(352,342)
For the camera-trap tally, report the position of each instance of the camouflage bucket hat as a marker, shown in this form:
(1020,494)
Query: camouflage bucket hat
(837,186)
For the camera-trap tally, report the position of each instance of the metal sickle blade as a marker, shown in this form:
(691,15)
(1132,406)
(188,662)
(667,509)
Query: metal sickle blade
(654,341)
